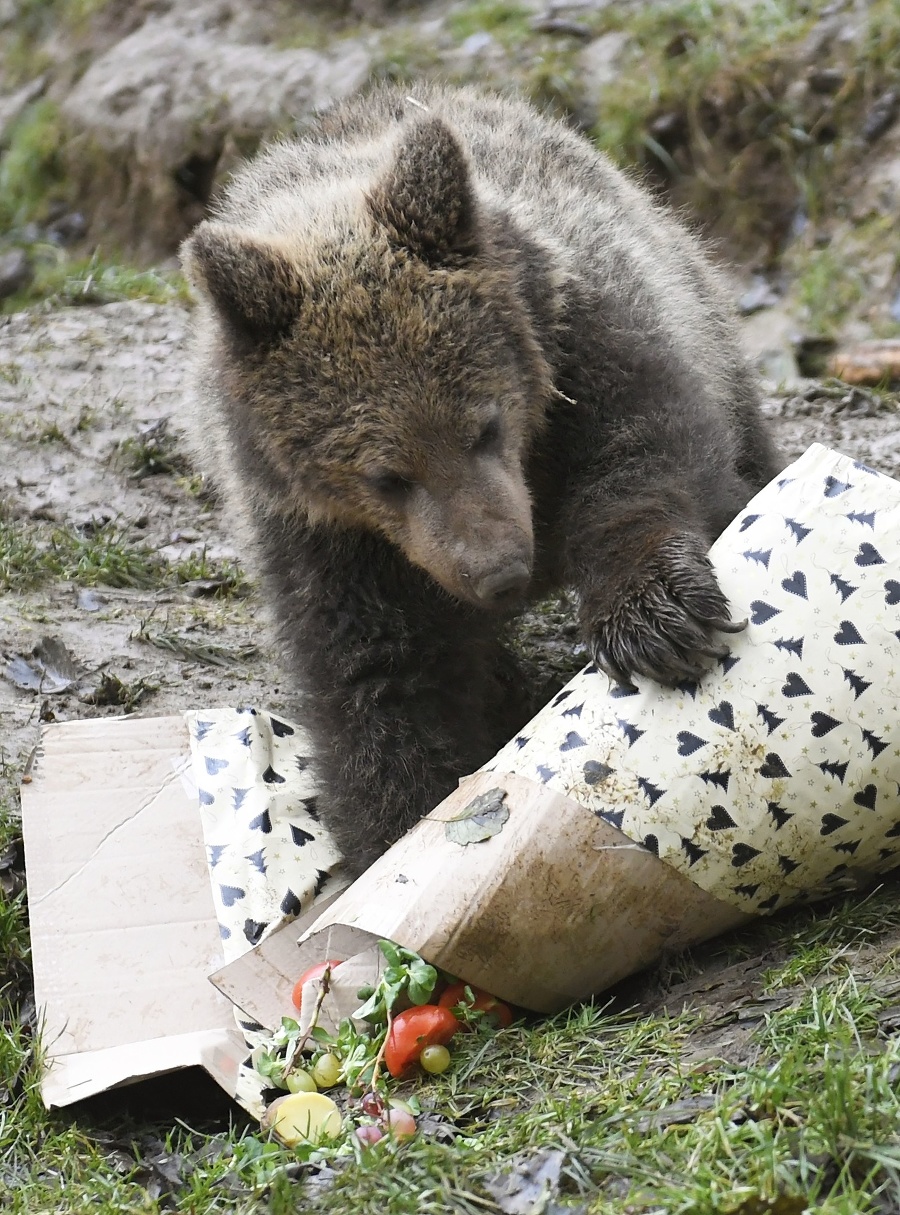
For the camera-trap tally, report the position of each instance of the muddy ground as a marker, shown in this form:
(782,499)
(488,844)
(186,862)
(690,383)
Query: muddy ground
(84,394)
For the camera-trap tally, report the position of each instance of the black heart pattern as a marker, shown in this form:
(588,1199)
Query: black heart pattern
(719,819)
(796,584)
(867,797)
(774,767)
(281,729)
(595,772)
(262,823)
(760,611)
(794,685)
(572,742)
(300,837)
(688,743)
(892,592)
(748,521)
(868,555)
(848,634)
(832,823)
(769,903)
(215,765)
(822,724)
(290,904)
(742,854)
(271,777)
(230,894)
(722,715)
(651,843)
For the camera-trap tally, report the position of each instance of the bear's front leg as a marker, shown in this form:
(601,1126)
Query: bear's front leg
(404,690)
(649,601)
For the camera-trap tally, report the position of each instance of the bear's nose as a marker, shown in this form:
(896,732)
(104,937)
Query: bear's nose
(504,584)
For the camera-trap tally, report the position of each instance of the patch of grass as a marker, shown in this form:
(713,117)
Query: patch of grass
(827,287)
(808,1122)
(508,22)
(31,175)
(60,281)
(107,555)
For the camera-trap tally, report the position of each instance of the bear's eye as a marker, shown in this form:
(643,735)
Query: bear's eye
(488,436)
(390,485)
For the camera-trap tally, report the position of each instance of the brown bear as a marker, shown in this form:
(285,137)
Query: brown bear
(449,358)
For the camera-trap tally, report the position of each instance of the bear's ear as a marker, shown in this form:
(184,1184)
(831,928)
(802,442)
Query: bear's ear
(425,200)
(250,280)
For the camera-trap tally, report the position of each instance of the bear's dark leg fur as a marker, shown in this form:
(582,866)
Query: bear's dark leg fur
(404,690)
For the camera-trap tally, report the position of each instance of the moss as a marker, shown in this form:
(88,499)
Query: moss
(507,22)
(31,174)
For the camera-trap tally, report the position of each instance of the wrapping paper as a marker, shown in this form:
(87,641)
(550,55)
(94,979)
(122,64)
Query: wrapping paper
(775,779)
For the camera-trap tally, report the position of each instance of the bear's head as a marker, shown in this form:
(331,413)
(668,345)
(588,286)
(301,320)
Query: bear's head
(374,354)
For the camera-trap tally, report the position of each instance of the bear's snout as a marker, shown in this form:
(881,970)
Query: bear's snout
(505,585)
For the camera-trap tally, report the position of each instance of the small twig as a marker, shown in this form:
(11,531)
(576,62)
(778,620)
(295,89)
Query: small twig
(304,1038)
(418,104)
(378,1058)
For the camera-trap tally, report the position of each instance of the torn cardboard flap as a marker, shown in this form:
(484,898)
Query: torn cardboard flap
(123,927)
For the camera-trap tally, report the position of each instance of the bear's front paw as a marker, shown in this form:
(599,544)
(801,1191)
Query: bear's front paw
(661,620)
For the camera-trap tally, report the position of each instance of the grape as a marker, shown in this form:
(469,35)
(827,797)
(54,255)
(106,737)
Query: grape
(300,1082)
(435,1059)
(327,1071)
(372,1104)
(368,1135)
(401,1124)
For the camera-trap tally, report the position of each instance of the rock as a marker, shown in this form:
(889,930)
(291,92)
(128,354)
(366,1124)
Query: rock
(164,114)
(598,67)
(881,116)
(16,272)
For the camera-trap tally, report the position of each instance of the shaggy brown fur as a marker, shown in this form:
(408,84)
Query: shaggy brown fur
(449,358)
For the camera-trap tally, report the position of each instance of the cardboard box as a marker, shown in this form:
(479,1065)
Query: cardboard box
(123,928)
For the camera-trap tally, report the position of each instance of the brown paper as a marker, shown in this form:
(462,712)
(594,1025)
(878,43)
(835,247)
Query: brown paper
(555,907)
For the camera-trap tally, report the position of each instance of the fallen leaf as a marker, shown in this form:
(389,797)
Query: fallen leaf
(482,818)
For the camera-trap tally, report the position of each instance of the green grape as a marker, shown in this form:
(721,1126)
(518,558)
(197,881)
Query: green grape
(435,1059)
(300,1082)
(327,1071)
